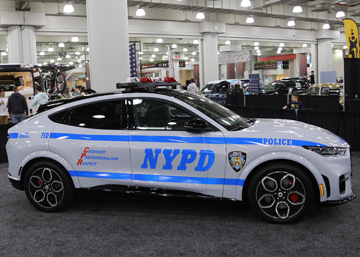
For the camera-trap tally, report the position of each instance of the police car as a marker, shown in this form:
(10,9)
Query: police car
(151,138)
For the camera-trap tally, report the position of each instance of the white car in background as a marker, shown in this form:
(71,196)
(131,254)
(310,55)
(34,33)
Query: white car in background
(164,140)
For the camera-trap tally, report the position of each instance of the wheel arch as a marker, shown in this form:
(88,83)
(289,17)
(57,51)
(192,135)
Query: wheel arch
(279,162)
(54,159)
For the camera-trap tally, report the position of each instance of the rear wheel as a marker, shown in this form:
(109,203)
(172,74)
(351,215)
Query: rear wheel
(280,193)
(48,186)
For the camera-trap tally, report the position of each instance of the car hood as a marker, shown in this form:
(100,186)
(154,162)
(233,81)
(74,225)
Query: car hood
(290,132)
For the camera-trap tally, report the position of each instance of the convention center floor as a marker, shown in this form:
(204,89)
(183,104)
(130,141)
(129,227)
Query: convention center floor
(116,224)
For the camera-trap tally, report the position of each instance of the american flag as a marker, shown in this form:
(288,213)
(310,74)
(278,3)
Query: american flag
(132,57)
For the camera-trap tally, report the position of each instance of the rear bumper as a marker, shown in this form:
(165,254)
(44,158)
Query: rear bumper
(16,184)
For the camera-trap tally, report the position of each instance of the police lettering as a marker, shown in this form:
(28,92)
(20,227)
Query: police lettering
(276,141)
(186,156)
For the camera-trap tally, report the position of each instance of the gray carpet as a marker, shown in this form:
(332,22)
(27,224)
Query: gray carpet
(113,224)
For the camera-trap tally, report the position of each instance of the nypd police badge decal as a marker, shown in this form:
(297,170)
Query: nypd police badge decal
(237,160)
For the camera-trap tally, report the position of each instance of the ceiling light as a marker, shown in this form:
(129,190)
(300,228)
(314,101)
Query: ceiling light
(245,3)
(186,57)
(151,60)
(68,8)
(87,49)
(79,60)
(140,52)
(193,60)
(196,41)
(256,48)
(297,9)
(140,12)
(52,61)
(280,49)
(51,49)
(61,45)
(56,63)
(200,16)
(42,53)
(59,59)
(291,23)
(71,63)
(39,64)
(156,49)
(304,45)
(256,43)
(45,63)
(3,53)
(250,19)
(140,58)
(258,51)
(68,56)
(332,45)
(185,49)
(345,47)
(228,42)
(75,39)
(340,14)
(218,52)
(174,46)
(326,26)
(153,56)
(281,44)
(193,53)
(80,66)
(159,40)
(186,62)
(278,52)
(77,53)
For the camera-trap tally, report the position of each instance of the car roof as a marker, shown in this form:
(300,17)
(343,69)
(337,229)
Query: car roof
(330,85)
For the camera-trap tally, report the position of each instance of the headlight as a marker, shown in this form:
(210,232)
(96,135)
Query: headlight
(327,151)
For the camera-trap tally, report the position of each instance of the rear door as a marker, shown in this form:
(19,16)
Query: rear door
(93,138)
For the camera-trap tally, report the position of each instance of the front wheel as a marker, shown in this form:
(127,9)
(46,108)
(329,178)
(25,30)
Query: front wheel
(280,193)
(48,186)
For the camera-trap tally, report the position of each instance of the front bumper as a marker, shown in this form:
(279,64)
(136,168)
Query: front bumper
(16,184)
(342,201)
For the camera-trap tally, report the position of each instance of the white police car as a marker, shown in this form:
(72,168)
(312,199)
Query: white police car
(164,139)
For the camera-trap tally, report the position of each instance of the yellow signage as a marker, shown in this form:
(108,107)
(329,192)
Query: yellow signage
(352,38)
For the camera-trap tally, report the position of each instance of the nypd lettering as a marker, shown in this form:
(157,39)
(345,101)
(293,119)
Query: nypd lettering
(276,141)
(237,160)
(205,159)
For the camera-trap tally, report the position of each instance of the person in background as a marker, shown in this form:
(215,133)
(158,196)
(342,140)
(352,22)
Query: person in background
(261,84)
(52,90)
(18,109)
(192,87)
(237,90)
(3,108)
(40,98)
(312,78)
(341,80)
(184,87)
(67,93)
(294,104)
(82,91)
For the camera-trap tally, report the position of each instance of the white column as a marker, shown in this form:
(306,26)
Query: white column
(108,42)
(210,67)
(22,44)
(177,70)
(324,56)
(162,73)
(314,62)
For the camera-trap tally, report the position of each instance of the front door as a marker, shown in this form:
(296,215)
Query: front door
(164,155)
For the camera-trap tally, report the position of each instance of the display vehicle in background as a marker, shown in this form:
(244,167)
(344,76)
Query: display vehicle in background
(148,138)
(221,87)
(327,89)
(282,87)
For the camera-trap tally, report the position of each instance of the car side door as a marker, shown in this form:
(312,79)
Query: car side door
(93,138)
(165,155)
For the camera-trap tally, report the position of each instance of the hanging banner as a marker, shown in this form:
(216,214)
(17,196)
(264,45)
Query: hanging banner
(352,38)
(133,63)
(171,64)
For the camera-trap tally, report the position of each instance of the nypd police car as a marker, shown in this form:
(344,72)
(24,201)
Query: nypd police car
(146,136)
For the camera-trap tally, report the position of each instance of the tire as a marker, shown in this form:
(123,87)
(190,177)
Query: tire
(48,186)
(280,193)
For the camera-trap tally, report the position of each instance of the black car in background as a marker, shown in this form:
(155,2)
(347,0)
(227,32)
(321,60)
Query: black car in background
(282,87)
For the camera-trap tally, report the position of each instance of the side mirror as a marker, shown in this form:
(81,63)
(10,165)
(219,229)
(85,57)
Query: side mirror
(196,126)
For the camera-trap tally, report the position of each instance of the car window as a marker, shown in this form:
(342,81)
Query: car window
(325,91)
(150,114)
(100,115)
(298,85)
(208,87)
(313,91)
(273,86)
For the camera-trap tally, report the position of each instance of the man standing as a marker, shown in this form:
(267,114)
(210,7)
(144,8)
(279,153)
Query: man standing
(312,78)
(40,98)
(192,87)
(17,106)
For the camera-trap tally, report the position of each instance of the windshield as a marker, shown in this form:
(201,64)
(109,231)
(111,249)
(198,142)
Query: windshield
(273,86)
(220,114)
(208,87)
